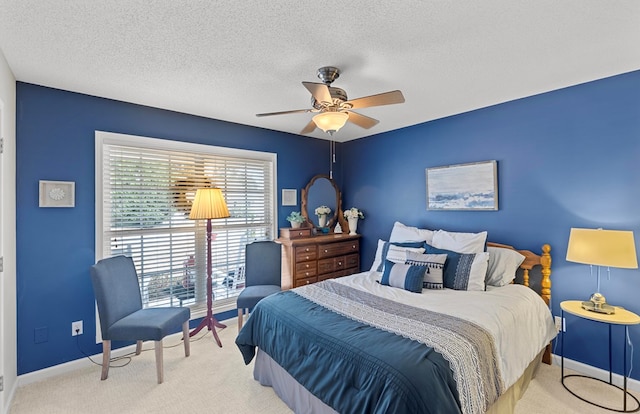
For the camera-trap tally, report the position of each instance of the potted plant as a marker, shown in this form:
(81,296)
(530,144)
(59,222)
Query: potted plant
(296,219)
(352,215)
(322,212)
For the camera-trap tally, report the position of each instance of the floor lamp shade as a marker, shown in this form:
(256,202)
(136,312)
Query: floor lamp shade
(610,248)
(208,203)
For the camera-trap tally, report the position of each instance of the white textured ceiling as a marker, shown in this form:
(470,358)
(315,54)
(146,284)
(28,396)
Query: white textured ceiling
(229,60)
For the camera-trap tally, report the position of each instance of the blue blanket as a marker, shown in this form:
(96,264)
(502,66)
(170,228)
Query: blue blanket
(350,366)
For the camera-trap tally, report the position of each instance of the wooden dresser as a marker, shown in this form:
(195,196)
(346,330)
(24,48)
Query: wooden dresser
(310,259)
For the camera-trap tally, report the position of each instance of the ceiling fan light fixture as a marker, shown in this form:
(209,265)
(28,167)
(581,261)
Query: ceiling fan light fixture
(330,121)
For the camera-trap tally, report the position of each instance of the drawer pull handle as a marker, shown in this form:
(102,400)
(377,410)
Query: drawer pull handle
(307,282)
(300,234)
(339,263)
(307,257)
(306,250)
(353,247)
(307,274)
(307,266)
(325,250)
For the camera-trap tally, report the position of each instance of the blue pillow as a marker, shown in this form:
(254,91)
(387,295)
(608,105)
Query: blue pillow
(385,251)
(400,275)
(462,271)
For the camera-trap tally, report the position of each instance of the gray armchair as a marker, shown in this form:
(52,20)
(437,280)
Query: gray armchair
(263,265)
(115,284)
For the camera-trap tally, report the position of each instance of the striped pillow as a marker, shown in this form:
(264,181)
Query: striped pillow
(403,276)
(433,277)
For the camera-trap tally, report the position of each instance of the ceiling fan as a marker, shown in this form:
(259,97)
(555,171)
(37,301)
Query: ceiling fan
(334,108)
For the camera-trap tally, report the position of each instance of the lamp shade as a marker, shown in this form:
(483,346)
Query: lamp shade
(611,248)
(208,204)
(330,121)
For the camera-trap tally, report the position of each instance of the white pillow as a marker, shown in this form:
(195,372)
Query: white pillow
(503,265)
(389,251)
(460,242)
(403,233)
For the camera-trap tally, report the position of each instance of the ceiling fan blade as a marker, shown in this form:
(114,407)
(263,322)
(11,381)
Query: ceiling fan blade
(320,91)
(295,111)
(361,120)
(387,98)
(311,126)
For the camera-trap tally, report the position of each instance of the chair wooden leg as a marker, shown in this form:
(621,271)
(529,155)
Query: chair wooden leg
(185,338)
(106,358)
(138,347)
(240,317)
(159,365)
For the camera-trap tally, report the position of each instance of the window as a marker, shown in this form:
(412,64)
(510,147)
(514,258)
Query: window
(144,189)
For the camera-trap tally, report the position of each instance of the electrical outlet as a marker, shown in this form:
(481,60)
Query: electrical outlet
(560,324)
(76,328)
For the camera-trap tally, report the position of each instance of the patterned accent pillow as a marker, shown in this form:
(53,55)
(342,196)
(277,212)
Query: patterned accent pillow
(433,277)
(394,252)
(462,271)
(403,276)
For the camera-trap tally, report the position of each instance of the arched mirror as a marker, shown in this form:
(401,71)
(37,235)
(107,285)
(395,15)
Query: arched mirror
(322,191)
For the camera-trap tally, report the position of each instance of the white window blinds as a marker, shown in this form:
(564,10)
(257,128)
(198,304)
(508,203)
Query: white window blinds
(146,190)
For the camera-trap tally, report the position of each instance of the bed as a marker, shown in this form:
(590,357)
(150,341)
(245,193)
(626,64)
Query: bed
(365,343)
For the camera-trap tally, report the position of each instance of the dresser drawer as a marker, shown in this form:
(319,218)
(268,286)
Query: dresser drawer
(305,281)
(336,249)
(291,233)
(305,269)
(352,260)
(305,253)
(336,264)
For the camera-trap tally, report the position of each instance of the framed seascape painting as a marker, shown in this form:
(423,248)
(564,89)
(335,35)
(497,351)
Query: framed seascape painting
(472,186)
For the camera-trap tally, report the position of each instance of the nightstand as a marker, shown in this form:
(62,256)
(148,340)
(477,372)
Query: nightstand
(622,317)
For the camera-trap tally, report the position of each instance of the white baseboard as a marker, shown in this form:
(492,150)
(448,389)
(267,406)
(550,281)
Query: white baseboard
(71,366)
(594,372)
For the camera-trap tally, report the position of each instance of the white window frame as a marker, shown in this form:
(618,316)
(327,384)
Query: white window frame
(103,138)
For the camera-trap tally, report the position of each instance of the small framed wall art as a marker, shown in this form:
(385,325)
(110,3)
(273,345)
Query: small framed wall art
(289,197)
(472,186)
(57,193)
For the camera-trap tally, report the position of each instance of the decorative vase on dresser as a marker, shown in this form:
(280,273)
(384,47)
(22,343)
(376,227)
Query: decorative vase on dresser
(322,220)
(309,259)
(353,225)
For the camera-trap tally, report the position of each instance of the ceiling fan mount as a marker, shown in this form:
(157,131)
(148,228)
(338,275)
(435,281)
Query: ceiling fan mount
(326,99)
(327,74)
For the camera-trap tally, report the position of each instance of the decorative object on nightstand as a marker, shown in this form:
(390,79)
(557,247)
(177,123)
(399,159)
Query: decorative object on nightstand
(209,204)
(622,317)
(598,247)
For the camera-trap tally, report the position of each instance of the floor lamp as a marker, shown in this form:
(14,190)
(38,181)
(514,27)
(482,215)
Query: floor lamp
(209,204)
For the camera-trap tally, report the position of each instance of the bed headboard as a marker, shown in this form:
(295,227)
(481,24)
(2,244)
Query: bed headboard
(531,260)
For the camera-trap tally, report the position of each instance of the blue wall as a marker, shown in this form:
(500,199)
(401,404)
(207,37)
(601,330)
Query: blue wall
(568,158)
(55,247)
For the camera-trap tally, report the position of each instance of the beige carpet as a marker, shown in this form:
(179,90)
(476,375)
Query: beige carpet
(215,380)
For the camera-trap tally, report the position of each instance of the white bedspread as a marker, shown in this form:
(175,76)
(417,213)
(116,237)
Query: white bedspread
(515,315)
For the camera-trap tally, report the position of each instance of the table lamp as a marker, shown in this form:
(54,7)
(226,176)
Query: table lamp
(209,204)
(598,247)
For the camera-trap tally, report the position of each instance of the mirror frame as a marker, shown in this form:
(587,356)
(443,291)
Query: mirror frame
(337,214)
